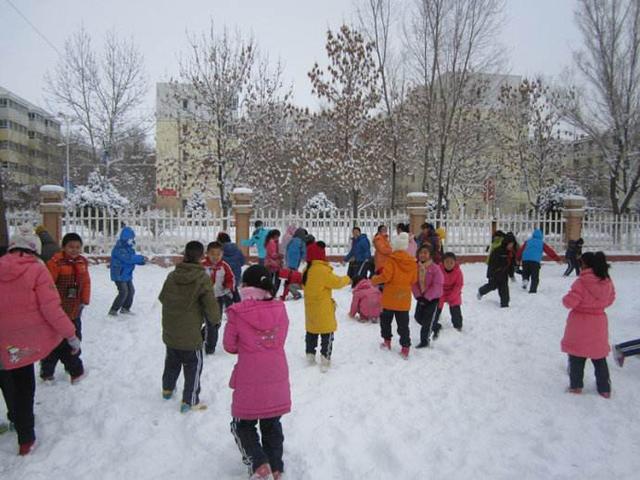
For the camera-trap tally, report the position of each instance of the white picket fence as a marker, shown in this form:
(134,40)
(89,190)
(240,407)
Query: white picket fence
(163,232)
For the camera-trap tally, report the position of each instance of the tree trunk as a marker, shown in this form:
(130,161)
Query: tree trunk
(354,200)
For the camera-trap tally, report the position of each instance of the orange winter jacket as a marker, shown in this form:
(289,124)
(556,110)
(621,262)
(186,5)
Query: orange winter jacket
(383,250)
(71,276)
(398,274)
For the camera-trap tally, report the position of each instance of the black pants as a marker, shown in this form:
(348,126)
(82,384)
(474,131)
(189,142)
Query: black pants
(124,300)
(630,348)
(212,330)
(359,270)
(576,373)
(6,385)
(572,264)
(190,362)
(497,283)
(531,270)
(275,279)
(427,316)
(72,363)
(326,343)
(21,387)
(258,450)
(402,319)
(456,316)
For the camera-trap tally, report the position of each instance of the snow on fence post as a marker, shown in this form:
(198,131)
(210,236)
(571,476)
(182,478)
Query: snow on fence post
(573,213)
(417,210)
(242,210)
(52,209)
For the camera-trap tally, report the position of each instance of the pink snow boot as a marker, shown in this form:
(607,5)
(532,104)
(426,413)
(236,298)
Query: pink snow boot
(404,353)
(262,473)
(386,344)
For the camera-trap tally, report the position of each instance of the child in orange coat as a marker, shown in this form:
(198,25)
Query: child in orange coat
(70,272)
(398,275)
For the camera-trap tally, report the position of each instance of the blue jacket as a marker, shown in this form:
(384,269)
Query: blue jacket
(534,248)
(234,257)
(296,252)
(124,258)
(360,249)
(258,240)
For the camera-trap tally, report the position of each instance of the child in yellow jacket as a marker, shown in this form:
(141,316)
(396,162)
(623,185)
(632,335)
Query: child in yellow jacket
(319,307)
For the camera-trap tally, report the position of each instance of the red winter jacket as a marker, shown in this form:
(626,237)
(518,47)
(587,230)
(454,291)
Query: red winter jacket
(587,331)
(68,274)
(222,277)
(32,322)
(273,260)
(452,286)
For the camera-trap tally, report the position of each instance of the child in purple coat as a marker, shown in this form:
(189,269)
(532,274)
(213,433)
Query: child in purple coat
(256,330)
(427,291)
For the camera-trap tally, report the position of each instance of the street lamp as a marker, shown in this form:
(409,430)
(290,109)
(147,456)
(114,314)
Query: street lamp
(67,121)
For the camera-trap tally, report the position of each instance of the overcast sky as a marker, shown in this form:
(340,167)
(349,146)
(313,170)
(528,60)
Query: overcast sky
(539,35)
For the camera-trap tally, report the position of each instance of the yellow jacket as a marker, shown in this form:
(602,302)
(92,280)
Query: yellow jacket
(319,307)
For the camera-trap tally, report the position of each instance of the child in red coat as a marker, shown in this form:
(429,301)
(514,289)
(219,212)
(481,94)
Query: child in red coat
(224,284)
(292,281)
(366,301)
(586,334)
(451,289)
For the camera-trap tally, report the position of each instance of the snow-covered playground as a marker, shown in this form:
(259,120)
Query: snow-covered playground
(486,403)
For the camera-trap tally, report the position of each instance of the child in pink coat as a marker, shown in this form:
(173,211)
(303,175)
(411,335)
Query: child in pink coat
(32,324)
(256,330)
(366,301)
(453,281)
(427,291)
(586,334)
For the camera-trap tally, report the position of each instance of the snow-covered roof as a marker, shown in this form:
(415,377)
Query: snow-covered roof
(417,195)
(52,188)
(242,190)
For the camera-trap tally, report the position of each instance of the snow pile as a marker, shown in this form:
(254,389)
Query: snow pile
(486,403)
(320,203)
(99,192)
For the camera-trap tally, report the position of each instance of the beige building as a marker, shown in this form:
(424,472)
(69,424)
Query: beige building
(29,151)
(175,179)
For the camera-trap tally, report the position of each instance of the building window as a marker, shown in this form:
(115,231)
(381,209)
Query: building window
(3,102)
(32,116)
(185,129)
(4,124)
(31,134)
(185,104)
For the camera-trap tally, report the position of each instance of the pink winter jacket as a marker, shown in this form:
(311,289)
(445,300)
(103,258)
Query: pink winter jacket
(366,301)
(586,333)
(273,260)
(433,284)
(256,330)
(412,249)
(452,286)
(32,322)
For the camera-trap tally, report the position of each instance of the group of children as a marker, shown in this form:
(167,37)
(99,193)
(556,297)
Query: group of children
(209,283)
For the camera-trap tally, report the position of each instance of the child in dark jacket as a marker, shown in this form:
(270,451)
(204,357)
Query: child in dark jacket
(427,291)
(256,331)
(233,256)
(359,257)
(451,290)
(572,255)
(123,261)
(500,265)
(366,301)
(186,298)
(223,282)
(70,272)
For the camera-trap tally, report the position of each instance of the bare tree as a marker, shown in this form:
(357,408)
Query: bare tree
(607,109)
(377,20)
(347,127)
(100,92)
(528,126)
(214,89)
(450,42)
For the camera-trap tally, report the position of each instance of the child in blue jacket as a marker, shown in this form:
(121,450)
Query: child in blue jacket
(359,257)
(258,240)
(123,261)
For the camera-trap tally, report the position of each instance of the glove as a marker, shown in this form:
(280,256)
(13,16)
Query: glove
(74,343)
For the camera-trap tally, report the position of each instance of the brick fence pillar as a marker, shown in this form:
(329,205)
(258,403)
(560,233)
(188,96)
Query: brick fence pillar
(573,213)
(52,210)
(242,210)
(417,210)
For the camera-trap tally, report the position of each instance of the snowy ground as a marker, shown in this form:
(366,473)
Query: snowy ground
(487,403)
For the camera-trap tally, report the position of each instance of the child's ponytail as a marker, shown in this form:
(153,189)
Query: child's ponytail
(597,262)
(258,276)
